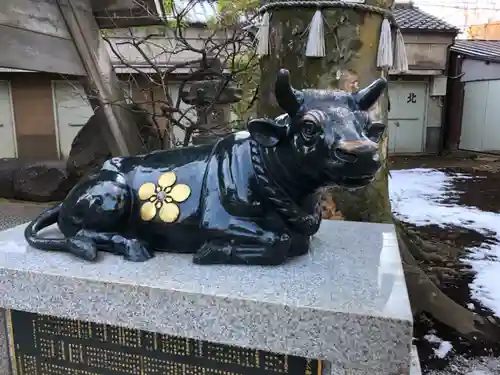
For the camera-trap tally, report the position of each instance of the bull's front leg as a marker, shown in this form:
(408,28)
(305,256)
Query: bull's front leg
(235,240)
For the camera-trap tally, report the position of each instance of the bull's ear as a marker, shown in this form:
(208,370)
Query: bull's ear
(369,95)
(375,131)
(267,132)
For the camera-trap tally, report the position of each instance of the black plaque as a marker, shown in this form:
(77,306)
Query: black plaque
(47,345)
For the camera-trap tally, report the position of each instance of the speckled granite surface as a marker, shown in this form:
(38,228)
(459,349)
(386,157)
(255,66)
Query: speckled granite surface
(415,368)
(5,368)
(11,214)
(345,302)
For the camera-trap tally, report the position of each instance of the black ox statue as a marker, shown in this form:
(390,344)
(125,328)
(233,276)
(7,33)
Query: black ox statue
(247,199)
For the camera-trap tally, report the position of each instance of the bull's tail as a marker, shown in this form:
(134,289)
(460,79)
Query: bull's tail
(45,219)
(82,248)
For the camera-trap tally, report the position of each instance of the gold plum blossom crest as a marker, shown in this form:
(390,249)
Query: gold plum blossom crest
(162,198)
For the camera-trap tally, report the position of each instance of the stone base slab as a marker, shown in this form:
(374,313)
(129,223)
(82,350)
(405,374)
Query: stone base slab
(345,302)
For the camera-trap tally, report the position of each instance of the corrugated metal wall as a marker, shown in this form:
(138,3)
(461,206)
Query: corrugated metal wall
(480,130)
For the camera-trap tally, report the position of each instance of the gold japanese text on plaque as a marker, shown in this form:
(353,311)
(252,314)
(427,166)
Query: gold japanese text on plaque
(47,345)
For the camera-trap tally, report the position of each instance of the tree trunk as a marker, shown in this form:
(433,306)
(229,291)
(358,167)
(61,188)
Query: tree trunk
(351,39)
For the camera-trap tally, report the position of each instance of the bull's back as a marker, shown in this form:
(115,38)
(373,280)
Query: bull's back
(166,190)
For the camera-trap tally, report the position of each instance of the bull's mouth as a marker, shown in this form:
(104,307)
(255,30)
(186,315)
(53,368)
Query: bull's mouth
(345,174)
(356,181)
(336,177)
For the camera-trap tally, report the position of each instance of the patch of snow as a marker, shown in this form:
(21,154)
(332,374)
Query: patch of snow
(443,350)
(485,287)
(444,346)
(470,306)
(417,197)
(432,338)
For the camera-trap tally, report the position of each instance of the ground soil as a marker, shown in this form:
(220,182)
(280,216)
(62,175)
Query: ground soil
(481,191)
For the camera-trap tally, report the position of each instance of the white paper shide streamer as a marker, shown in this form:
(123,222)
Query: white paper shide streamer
(316,39)
(263,36)
(385,56)
(391,51)
(400,59)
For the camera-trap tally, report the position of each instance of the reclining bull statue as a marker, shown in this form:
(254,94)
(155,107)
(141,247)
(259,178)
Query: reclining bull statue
(247,199)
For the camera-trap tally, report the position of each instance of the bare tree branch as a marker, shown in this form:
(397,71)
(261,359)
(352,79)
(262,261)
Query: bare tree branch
(157,64)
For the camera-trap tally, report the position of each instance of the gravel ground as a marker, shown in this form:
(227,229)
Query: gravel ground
(16,213)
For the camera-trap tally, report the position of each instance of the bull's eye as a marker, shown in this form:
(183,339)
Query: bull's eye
(308,129)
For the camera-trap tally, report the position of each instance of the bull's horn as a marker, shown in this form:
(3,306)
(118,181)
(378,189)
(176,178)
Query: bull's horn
(285,94)
(368,96)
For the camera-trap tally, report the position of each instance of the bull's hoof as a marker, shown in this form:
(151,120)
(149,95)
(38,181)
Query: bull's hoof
(273,252)
(212,253)
(299,246)
(83,248)
(134,251)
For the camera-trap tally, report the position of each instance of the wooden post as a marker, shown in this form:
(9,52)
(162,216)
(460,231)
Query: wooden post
(121,135)
(33,37)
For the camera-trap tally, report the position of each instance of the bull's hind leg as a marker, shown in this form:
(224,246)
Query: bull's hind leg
(95,216)
(244,242)
(130,248)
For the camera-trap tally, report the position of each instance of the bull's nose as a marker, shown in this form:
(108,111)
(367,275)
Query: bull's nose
(362,150)
(362,145)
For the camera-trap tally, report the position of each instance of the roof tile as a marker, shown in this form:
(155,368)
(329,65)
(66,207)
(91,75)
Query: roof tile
(409,17)
(488,50)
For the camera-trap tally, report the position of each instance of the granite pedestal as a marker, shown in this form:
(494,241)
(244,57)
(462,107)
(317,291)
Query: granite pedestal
(345,303)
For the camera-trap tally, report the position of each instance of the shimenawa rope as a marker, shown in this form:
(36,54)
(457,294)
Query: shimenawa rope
(388,56)
(304,220)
